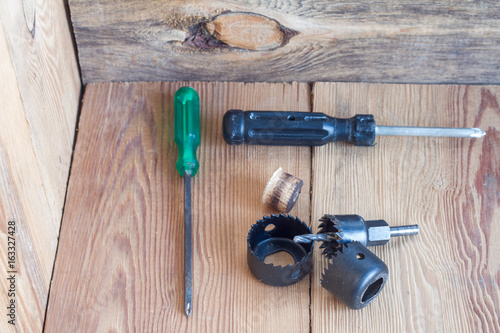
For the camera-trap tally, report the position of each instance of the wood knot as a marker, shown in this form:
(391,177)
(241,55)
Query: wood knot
(240,30)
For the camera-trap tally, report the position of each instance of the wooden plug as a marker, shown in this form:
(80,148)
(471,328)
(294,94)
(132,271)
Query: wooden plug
(282,191)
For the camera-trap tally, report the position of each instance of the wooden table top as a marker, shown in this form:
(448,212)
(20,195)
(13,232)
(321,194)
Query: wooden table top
(119,265)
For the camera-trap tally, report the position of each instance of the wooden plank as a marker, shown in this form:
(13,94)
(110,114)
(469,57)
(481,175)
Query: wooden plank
(120,260)
(39,90)
(281,41)
(446,279)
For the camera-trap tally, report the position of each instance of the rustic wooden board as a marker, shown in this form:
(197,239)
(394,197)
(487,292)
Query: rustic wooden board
(400,41)
(446,279)
(39,92)
(120,261)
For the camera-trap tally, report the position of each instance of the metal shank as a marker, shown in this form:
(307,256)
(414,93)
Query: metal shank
(405,230)
(430,131)
(188,260)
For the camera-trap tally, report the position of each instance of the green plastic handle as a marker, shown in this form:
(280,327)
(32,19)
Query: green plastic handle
(187,129)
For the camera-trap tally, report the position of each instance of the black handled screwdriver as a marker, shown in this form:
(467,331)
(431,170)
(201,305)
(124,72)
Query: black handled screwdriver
(279,128)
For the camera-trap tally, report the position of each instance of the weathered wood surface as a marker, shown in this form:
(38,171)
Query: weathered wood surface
(447,278)
(278,41)
(120,261)
(39,94)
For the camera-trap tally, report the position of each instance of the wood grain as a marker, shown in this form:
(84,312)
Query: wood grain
(120,261)
(39,91)
(447,278)
(370,41)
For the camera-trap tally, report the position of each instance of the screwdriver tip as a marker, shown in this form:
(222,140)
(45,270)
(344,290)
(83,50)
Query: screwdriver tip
(188,309)
(478,133)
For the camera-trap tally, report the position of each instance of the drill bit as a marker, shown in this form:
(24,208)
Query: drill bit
(308,238)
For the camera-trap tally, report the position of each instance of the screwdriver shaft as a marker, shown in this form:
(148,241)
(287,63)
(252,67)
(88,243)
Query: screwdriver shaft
(430,131)
(188,259)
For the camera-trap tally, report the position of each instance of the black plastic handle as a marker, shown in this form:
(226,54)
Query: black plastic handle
(280,128)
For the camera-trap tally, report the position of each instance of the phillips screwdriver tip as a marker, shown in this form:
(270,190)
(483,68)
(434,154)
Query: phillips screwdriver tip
(188,309)
(478,133)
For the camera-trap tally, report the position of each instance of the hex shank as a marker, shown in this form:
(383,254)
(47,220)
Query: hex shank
(405,230)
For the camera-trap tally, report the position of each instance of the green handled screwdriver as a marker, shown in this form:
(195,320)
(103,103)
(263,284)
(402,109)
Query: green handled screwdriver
(187,139)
